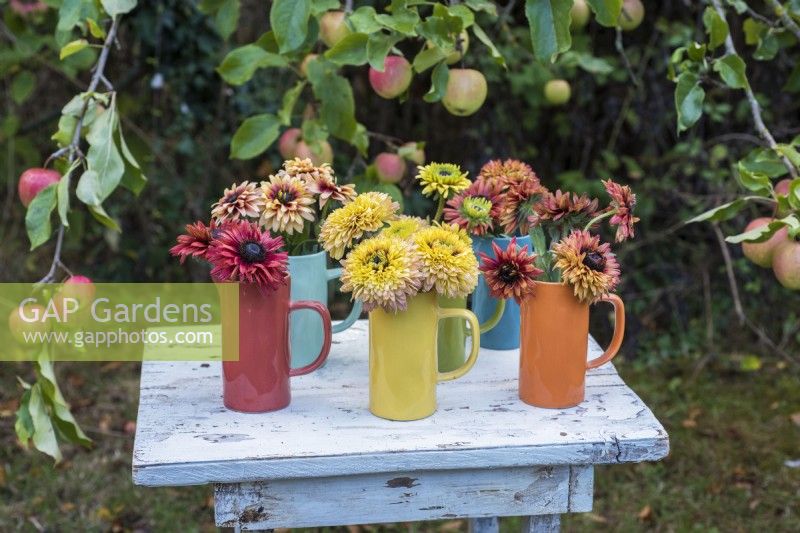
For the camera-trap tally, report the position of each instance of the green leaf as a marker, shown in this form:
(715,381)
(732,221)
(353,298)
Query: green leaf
(289,20)
(689,96)
(765,232)
(752,31)
(44,435)
(360,140)
(765,161)
(319,7)
(62,192)
(364,20)
(794,194)
(378,47)
(334,91)
(24,424)
(768,47)
(22,86)
(606,12)
(594,65)
(439,78)
(118,7)
(72,47)
(482,37)
(69,15)
(59,408)
(720,213)
(37,218)
(549,22)
(739,5)
(789,152)
(95,30)
(427,57)
(402,20)
(255,135)
(696,51)
(753,181)
(227,18)
(99,214)
(731,69)
(241,63)
(352,50)
(482,5)
(133,179)
(105,164)
(289,100)
(716,27)
(314,132)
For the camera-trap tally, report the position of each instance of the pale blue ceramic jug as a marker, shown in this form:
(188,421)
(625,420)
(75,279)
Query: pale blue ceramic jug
(310,278)
(505,335)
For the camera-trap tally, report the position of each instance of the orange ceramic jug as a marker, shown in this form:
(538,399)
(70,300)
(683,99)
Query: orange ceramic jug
(554,336)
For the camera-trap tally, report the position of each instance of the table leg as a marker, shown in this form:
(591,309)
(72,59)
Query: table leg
(484,525)
(545,523)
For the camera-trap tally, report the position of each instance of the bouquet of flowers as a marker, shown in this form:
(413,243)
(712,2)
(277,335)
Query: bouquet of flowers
(409,257)
(564,248)
(500,201)
(252,224)
(291,203)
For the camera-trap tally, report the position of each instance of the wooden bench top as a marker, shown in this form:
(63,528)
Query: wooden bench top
(185,436)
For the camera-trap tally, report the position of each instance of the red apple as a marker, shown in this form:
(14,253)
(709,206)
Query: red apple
(782,187)
(390,167)
(786,264)
(395,78)
(32,323)
(78,288)
(579,14)
(34,180)
(332,28)
(632,14)
(413,152)
(466,92)
(557,92)
(761,253)
(324,154)
(287,144)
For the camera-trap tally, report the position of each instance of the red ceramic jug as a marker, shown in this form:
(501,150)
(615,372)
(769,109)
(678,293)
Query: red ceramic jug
(259,380)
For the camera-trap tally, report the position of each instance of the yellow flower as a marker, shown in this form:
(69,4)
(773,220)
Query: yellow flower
(404,227)
(382,272)
(367,213)
(442,179)
(287,202)
(448,262)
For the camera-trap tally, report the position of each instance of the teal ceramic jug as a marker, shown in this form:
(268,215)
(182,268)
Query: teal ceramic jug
(310,277)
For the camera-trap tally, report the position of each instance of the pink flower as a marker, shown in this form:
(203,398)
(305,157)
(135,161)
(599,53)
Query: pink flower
(511,273)
(242,252)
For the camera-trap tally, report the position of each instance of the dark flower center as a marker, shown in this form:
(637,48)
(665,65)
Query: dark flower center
(508,273)
(285,196)
(595,261)
(445,172)
(232,197)
(252,252)
(378,261)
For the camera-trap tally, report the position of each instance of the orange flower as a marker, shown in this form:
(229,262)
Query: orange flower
(511,273)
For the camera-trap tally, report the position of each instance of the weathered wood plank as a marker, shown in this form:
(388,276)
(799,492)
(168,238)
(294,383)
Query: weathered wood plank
(484,525)
(186,436)
(542,524)
(397,497)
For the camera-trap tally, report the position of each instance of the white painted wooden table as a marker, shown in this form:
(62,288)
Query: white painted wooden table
(325,460)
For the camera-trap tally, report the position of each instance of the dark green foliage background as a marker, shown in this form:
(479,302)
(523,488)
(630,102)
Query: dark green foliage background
(675,285)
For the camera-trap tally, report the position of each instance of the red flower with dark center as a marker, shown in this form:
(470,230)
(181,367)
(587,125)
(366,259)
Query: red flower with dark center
(242,252)
(195,242)
(622,201)
(511,273)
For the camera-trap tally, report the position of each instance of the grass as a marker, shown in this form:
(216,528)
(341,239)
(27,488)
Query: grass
(730,432)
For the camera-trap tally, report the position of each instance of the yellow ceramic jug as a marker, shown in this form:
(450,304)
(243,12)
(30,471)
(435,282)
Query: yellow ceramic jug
(403,363)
